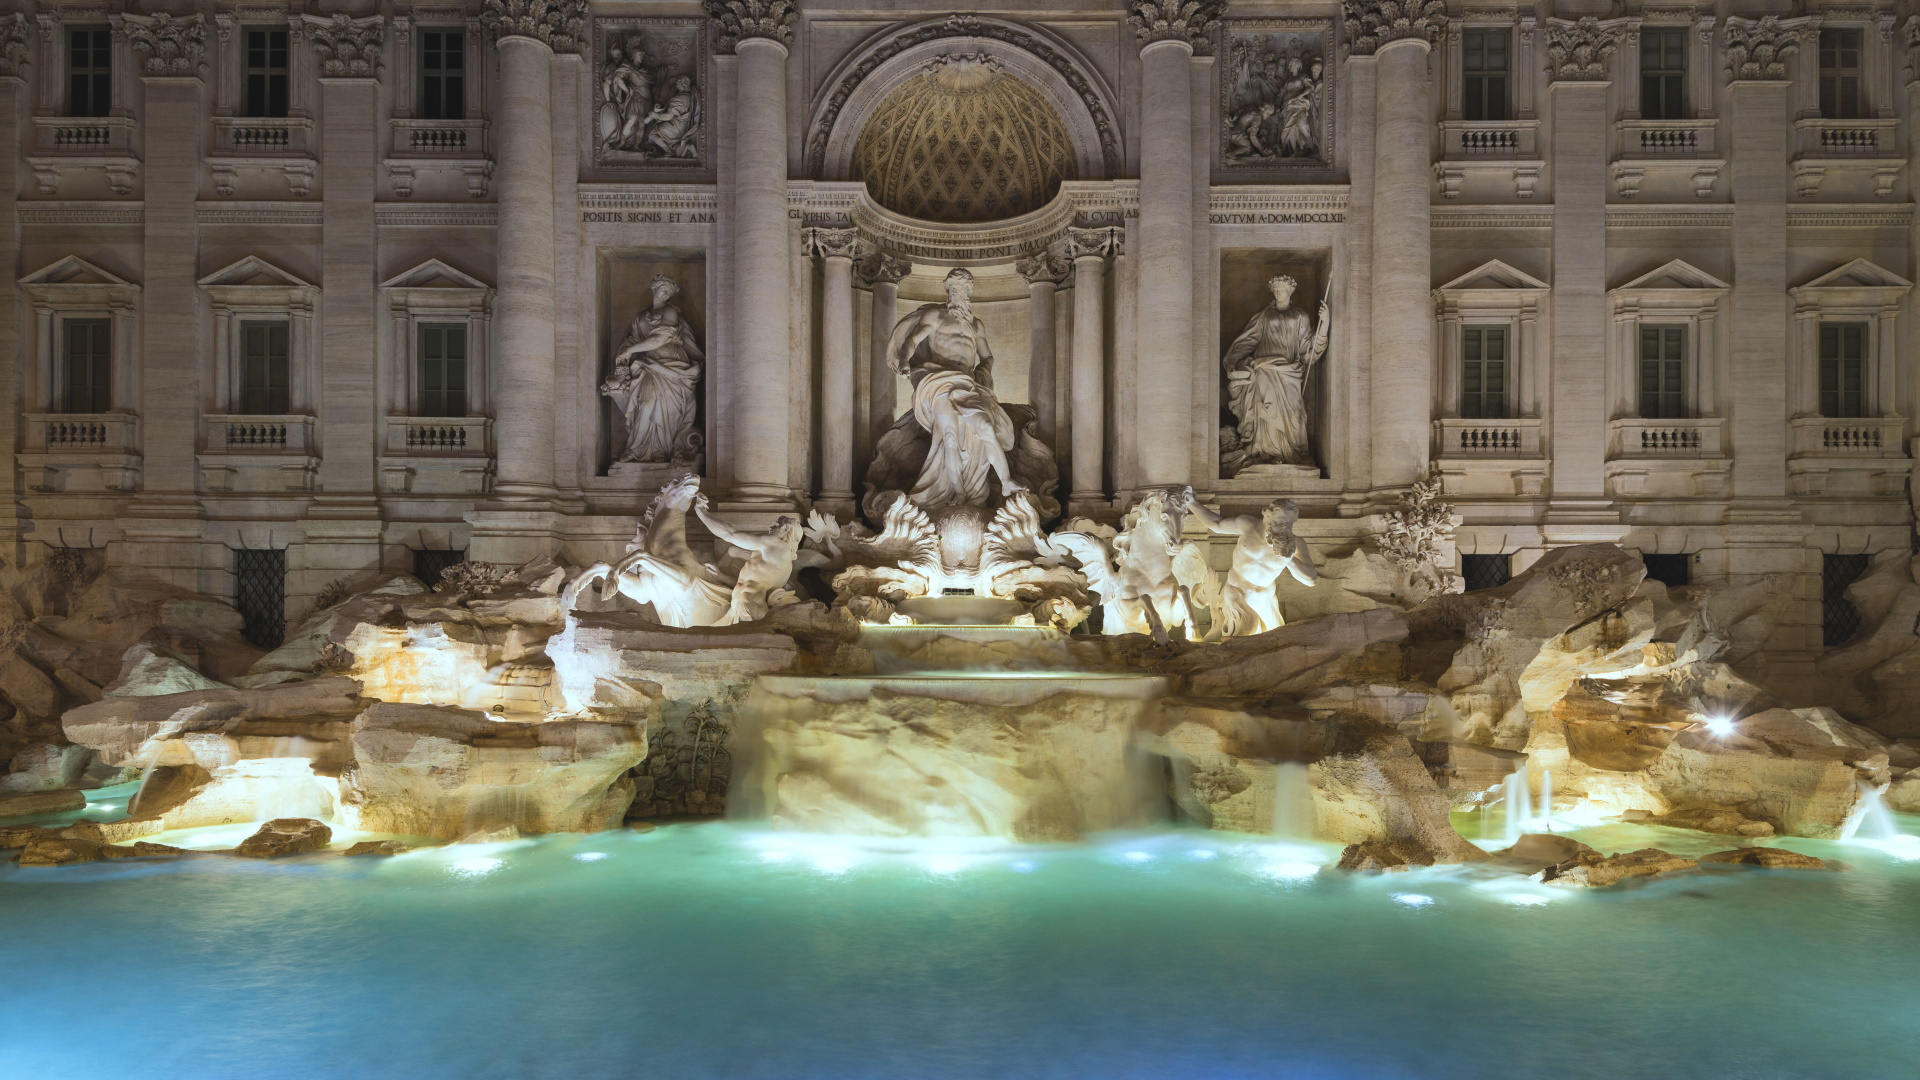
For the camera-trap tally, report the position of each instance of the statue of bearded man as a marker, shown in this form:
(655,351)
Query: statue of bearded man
(942,349)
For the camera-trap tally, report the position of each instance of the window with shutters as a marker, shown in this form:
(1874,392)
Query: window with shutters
(1663,372)
(443,75)
(265,369)
(443,369)
(1484,368)
(1840,74)
(89,71)
(1843,369)
(1663,73)
(1485,65)
(87,366)
(266,72)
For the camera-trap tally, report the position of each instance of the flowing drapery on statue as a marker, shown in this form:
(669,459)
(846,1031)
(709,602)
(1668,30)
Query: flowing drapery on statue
(1267,369)
(656,372)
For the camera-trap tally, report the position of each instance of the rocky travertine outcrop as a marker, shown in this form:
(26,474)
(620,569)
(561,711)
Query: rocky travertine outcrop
(40,802)
(285,836)
(1371,786)
(1294,659)
(1592,871)
(1771,858)
(1536,852)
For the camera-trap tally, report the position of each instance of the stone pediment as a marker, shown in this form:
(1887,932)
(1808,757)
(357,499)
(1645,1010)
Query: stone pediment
(1675,275)
(434,274)
(1494,275)
(74,270)
(254,272)
(1858,274)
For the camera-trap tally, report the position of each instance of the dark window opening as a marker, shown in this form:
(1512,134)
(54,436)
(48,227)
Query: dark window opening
(264,369)
(1673,571)
(1839,619)
(443,74)
(260,592)
(1486,571)
(88,366)
(89,71)
(1484,73)
(1663,74)
(267,73)
(1843,369)
(1483,372)
(1840,74)
(429,566)
(1663,368)
(443,369)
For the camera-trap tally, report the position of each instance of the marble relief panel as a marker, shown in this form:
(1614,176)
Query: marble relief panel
(1276,95)
(650,92)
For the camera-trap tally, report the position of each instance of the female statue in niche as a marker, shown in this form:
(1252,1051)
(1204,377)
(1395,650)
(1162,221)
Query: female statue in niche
(655,372)
(1267,368)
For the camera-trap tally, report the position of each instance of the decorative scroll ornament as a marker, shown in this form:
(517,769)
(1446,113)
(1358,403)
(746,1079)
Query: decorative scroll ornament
(561,24)
(1371,24)
(1760,50)
(173,46)
(1191,21)
(737,20)
(13,45)
(349,48)
(832,243)
(1578,51)
(1093,243)
(1043,266)
(881,268)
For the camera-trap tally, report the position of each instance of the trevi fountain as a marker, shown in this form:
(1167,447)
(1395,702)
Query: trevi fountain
(924,678)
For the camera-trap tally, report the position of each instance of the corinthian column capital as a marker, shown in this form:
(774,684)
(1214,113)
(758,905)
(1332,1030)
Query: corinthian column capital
(348,48)
(1188,21)
(1578,51)
(13,45)
(561,24)
(881,267)
(173,46)
(831,243)
(735,21)
(1758,51)
(1371,24)
(1093,243)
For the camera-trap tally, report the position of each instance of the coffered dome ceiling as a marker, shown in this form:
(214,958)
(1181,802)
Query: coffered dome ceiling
(964,141)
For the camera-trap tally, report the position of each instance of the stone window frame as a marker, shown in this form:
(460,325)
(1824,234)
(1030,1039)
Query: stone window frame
(229,55)
(52,91)
(411,302)
(1511,298)
(1676,293)
(1704,63)
(52,301)
(290,300)
(1522,71)
(405,83)
(1881,82)
(1859,300)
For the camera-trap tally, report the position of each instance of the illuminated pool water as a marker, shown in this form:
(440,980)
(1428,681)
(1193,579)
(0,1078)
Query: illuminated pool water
(715,951)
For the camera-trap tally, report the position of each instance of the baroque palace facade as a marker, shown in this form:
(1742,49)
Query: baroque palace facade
(312,290)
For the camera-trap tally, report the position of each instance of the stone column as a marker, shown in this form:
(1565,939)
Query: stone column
(15,39)
(835,248)
(1577,52)
(527,33)
(1170,32)
(759,32)
(882,273)
(1402,356)
(1089,250)
(1044,272)
(162,525)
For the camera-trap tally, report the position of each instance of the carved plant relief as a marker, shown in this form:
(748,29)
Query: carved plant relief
(1275,97)
(649,92)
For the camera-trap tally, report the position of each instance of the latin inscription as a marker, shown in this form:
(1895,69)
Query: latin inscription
(1276,219)
(649,217)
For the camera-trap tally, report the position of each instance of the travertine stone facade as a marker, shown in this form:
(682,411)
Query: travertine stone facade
(1640,274)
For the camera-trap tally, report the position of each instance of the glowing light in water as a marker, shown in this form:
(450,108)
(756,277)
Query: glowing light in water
(834,860)
(479,867)
(1203,853)
(1289,870)
(944,865)
(1412,899)
(1138,856)
(1525,899)
(774,855)
(590,856)
(1023,866)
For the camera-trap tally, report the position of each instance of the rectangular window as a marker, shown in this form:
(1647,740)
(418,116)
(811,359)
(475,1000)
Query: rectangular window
(87,363)
(1839,619)
(1483,372)
(89,71)
(1840,74)
(443,369)
(1673,571)
(260,592)
(1486,571)
(1663,372)
(264,369)
(1484,73)
(1663,73)
(266,73)
(443,74)
(1843,369)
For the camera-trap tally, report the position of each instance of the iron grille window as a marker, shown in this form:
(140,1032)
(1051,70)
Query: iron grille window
(1484,73)
(443,74)
(260,592)
(87,366)
(1843,369)
(89,71)
(443,369)
(428,566)
(1663,372)
(1840,74)
(264,369)
(1839,619)
(1483,372)
(1673,571)
(1663,73)
(266,73)
(1486,571)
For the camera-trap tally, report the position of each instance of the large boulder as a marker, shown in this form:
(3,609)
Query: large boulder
(47,767)
(1371,785)
(1588,871)
(152,670)
(285,836)
(1296,658)
(1770,858)
(1801,771)
(22,804)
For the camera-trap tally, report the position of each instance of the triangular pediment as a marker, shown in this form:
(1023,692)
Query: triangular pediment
(1858,274)
(73,270)
(1678,274)
(434,274)
(1494,274)
(254,271)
